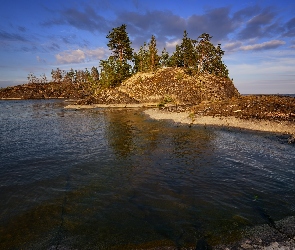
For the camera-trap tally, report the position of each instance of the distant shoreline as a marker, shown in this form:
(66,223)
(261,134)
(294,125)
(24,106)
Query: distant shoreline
(284,127)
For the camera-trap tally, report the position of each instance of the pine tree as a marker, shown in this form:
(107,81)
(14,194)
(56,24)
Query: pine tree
(120,44)
(116,68)
(141,59)
(164,59)
(153,54)
(210,57)
(188,51)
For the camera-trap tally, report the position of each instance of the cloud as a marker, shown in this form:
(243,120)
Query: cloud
(53,46)
(264,46)
(74,56)
(5,36)
(39,59)
(241,15)
(167,24)
(97,54)
(232,46)
(261,25)
(170,45)
(78,55)
(221,23)
(86,19)
(217,22)
(153,22)
(290,26)
(22,29)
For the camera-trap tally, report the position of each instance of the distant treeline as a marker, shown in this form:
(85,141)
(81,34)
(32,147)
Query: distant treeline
(195,56)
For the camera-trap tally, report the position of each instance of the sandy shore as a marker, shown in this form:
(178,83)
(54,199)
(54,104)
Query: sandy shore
(134,105)
(284,127)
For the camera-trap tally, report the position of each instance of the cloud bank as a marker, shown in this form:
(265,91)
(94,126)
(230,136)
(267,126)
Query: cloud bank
(79,56)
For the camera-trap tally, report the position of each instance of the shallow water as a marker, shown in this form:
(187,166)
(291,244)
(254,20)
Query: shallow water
(101,179)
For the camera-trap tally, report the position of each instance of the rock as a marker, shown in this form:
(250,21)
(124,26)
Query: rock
(291,139)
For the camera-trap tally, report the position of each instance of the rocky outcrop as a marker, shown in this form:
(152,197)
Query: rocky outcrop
(44,91)
(267,107)
(168,85)
(165,85)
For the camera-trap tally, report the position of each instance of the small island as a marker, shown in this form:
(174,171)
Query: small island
(190,86)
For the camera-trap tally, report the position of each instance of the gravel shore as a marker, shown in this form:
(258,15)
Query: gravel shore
(285,127)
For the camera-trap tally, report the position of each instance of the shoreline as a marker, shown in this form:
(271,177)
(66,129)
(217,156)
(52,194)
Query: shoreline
(93,106)
(283,127)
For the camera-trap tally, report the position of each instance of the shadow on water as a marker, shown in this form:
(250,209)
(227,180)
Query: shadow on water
(98,179)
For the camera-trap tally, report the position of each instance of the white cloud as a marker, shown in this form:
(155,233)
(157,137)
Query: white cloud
(73,56)
(263,72)
(98,53)
(39,59)
(262,46)
(232,46)
(170,45)
(79,56)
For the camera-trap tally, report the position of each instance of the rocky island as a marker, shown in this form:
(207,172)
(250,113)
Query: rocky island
(173,94)
(190,86)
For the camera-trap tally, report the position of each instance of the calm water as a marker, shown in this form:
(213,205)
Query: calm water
(101,179)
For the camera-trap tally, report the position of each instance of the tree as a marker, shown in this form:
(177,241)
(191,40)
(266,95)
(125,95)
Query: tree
(113,72)
(188,51)
(153,54)
(116,68)
(164,59)
(185,53)
(210,57)
(141,59)
(32,78)
(56,75)
(120,44)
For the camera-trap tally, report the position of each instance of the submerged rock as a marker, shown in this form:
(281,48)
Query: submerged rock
(291,139)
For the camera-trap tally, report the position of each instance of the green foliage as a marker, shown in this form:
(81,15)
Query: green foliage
(210,57)
(153,54)
(120,44)
(116,68)
(164,59)
(185,53)
(199,56)
(147,58)
(141,60)
(166,99)
(195,56)
(113,72)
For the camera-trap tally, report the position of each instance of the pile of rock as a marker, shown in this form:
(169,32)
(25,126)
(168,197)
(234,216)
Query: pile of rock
(268,107)
(167,85)
(108,96)
(44,91)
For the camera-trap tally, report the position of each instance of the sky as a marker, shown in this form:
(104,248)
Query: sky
(258,37)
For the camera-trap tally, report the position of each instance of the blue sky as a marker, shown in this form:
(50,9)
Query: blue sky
(258,37)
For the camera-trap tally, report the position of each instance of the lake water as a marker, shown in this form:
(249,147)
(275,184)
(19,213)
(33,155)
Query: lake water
(114,179)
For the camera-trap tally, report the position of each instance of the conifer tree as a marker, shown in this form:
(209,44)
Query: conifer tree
(153,54)
(188,54)
(164,59)
(116,68)
(210,57)
(141,59)
(120,44)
